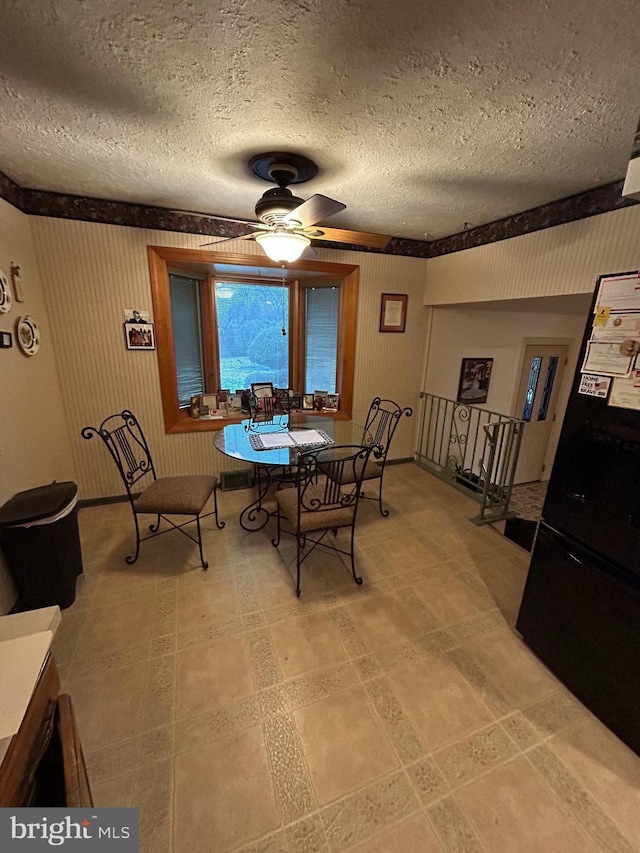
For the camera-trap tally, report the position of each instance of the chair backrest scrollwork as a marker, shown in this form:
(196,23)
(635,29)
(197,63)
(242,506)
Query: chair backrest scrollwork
(125,441)
(382,421)
(331,478)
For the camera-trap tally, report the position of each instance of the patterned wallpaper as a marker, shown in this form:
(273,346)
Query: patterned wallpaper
(94,271)
(553,262)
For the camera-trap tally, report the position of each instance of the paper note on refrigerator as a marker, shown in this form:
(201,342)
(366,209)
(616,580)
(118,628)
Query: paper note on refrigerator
(619,293)
(605,358)
(625,393)
(617,327)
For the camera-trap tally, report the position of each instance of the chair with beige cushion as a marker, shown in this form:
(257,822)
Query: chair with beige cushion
(382,421)
(147,493)
(317,504)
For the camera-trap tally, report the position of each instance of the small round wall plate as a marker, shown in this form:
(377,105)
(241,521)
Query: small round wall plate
(28,335)
(6,298)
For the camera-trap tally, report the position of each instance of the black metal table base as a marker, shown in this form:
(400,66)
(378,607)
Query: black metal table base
(255,516)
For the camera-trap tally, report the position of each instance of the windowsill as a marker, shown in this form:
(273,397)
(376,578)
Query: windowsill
(185,423)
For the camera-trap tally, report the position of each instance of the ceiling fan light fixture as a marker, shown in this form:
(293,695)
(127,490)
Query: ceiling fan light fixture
(282,246)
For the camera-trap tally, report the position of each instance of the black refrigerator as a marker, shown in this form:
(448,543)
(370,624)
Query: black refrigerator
(580,611)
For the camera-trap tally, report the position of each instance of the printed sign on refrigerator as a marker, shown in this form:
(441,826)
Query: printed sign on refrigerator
(594,386)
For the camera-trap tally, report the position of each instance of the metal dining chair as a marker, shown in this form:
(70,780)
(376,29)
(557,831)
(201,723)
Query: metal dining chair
(147,493)
(272,409)
(382,421)
(320,503)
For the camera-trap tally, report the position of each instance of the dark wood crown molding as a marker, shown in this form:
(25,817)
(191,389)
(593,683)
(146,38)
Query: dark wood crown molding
(580,206)
(63,206)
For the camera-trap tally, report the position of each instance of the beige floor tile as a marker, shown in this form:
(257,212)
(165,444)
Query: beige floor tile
(67,637)
(119,625)
(383,620)
(427,780)
(276,586)
(511,667)
(577,801)
(289,772)
(437,699)
(107,706)
(469,758)
(306,643)
(405,740)
(512,810)
(153,797)
(453,828)
(413,835)
(451,599)
(367,811)
(275,721)
(317,684)
(212,675)
(114,792)
(498,570)
(122,581)
(207,597)
(607,768)
(344,744)
(223,795)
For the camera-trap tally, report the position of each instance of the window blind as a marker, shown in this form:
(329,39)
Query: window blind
(321,351)
(185,315)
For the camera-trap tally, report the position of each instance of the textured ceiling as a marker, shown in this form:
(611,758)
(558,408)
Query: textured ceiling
(422,116)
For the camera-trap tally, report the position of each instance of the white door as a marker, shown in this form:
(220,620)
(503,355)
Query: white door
(537,395)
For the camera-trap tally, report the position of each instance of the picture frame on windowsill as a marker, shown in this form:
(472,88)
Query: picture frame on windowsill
(331,403)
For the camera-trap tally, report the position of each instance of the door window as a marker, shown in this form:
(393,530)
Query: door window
(532,384)
(548,388)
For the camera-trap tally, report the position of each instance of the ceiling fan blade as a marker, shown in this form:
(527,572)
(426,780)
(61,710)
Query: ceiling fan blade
(356,238)
(229,240)
(314,209)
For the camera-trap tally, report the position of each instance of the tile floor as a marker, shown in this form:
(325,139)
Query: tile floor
(403,715)
(527,499)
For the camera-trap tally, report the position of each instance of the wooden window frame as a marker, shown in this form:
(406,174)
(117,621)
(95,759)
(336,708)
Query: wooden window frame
(177,420)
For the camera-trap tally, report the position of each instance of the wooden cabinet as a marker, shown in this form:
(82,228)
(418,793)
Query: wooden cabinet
(44,765)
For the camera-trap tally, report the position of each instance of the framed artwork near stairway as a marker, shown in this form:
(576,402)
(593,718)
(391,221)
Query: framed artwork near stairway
(475,376)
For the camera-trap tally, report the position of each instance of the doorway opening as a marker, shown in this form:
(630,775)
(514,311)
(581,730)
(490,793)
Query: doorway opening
(536,402)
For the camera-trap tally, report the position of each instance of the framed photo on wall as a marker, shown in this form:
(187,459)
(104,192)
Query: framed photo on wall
(475,375)
(393,312)
(139,335)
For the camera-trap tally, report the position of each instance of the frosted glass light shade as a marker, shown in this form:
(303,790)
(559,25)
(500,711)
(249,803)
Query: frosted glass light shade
(281,246)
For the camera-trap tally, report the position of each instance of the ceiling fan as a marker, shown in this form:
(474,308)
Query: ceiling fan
(285,222)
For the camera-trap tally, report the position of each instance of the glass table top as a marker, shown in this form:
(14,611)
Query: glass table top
(233,440)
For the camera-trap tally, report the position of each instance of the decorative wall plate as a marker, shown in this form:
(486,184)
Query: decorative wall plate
(28,335)
(6,299)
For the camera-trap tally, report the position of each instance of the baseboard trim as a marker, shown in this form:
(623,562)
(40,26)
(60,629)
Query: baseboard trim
(114,499)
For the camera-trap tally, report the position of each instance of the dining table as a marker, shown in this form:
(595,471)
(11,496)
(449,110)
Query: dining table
(274,449)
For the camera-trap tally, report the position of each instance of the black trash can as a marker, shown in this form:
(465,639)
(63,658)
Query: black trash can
(40,540)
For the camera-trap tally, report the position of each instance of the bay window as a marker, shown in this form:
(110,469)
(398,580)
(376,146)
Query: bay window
(224,321)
